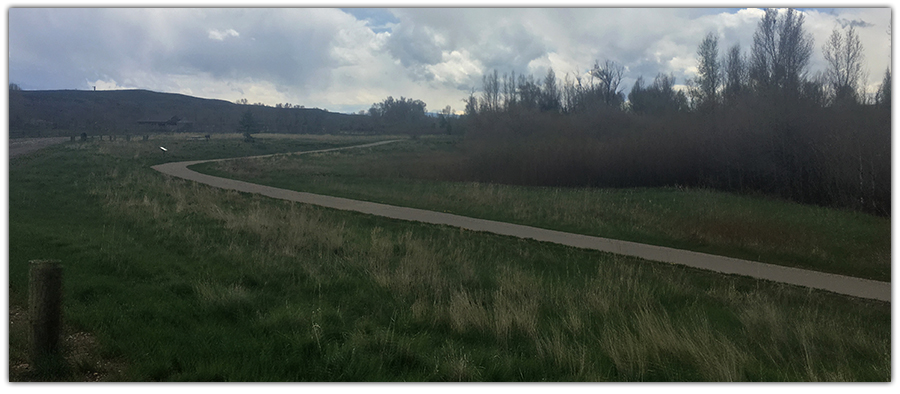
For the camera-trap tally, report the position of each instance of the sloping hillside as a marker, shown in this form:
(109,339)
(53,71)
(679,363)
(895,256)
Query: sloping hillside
(67,112)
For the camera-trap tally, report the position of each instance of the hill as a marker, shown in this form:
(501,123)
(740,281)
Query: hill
(71,112)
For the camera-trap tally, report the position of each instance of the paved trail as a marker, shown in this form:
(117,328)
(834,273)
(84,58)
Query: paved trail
(856,287)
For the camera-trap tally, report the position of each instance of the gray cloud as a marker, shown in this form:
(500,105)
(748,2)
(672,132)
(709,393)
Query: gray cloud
(226,44)
(854,23)
(511,47)
(414,45)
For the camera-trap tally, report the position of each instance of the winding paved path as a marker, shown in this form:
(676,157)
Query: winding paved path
(856,287)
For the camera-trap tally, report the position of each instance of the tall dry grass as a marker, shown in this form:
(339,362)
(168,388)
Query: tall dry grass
(621,319)
(747,227)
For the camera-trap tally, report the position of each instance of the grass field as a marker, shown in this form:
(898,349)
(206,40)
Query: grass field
(414,173)
(175,281)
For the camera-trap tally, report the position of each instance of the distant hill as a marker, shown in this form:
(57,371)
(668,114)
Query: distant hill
(71,112)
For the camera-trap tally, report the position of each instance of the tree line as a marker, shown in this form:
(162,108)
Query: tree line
(408,116)
(775,68)
(757,122)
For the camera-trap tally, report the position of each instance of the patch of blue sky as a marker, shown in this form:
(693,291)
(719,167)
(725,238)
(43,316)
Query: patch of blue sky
(378,19)
(711,11)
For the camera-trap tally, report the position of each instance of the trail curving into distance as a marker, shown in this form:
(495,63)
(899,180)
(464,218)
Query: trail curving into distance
(856,287)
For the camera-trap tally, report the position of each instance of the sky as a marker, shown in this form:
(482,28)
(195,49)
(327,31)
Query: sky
(346,59)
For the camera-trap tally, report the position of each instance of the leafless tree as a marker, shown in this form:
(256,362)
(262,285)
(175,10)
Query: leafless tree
(883,97)
(569,94)
(490,96)
(529,93)
(781,52)
(471,103)
(550,100)
(844,56)
(509,90)
(735,74)
(706,85)
(609,76)
(659,98)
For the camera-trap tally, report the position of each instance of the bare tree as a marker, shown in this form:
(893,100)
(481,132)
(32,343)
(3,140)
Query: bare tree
(708,80)
(550,100)
(569,94)
(509,90)
(529,93)
(781,52)
(735,74)
(609,76)
(490,97)
(765,51)
(844,56)
(883,97)
(471,103)
(659,98)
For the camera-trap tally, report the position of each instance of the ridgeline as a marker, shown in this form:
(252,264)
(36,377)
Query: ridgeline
(50,113)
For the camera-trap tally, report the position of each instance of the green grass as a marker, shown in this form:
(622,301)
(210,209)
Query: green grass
(414,173)
(183,282)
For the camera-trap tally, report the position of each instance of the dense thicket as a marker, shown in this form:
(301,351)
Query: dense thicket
(752,123)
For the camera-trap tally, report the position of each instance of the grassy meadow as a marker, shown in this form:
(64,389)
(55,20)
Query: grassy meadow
(176,281)
(431,174)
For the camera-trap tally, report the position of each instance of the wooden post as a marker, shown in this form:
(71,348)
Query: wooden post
(45,307)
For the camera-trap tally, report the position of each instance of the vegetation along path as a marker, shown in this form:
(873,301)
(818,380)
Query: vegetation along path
(847,285)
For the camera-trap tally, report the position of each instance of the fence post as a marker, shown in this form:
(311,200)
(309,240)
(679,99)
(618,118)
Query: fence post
(45,304)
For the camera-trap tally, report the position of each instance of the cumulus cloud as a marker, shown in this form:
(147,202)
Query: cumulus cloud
(108,84)
(415,45)
(457,69)
(221,35)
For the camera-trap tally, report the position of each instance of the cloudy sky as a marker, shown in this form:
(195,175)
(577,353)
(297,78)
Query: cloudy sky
(346,59)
